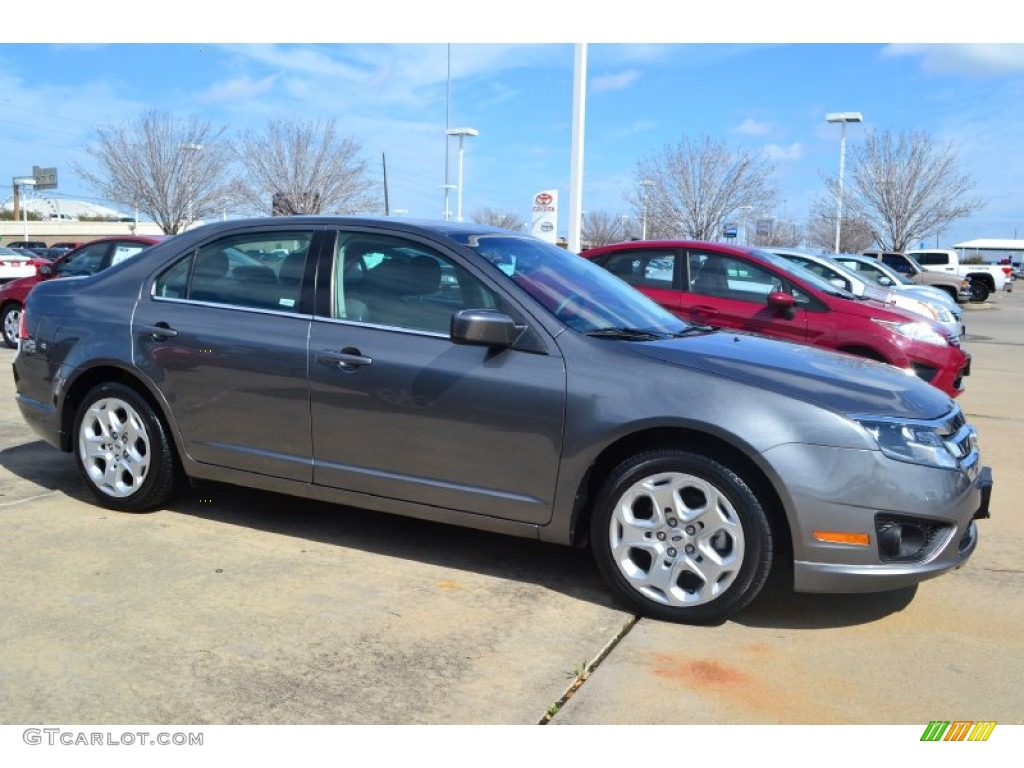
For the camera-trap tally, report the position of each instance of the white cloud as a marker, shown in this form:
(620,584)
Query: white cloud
(238,88)
(632,129)
(616,82)
(752,127)
(975,59)
(793,152)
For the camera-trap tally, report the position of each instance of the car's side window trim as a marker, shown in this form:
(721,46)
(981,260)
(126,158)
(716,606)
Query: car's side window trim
(261,288)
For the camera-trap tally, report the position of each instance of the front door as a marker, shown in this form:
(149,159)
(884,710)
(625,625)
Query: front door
(401,412)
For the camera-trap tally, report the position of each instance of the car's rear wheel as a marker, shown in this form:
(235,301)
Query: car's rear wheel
(979,290)
(681,536)
(10,319)
(122,450)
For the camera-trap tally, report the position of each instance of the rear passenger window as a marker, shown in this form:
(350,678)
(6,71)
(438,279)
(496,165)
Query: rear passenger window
(262,271)
(645,269)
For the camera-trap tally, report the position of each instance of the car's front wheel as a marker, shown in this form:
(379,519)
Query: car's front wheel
(122,450)
(10,319)
(681,536)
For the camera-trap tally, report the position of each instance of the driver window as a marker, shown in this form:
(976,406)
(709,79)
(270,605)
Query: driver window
(393,282)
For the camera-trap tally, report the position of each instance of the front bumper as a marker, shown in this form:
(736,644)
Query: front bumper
(857,492)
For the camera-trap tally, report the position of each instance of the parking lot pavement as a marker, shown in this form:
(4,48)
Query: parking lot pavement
(236,606)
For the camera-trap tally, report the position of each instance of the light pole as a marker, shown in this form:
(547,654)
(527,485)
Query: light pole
(191,149)
(26,181)
(462,133)
(743,209)
(646,184)
(447,191)
(842,118)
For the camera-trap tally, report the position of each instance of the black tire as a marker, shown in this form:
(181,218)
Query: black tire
(122,450)
(9,319)
(708,524)
(979,290)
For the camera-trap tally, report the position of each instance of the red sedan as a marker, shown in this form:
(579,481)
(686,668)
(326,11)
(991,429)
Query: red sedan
(87,259)
(751,290)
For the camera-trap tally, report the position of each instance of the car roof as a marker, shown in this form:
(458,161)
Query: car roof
(438,226)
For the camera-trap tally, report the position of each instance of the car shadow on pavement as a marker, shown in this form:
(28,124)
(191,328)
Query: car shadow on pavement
(43,465)
(566,570)
(779,607)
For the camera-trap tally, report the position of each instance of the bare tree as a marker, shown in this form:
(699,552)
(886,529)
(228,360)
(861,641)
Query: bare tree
(693,188)
(855,234)
(905,188)
(502,219)
(782,233)
(601,228)
(172,169)
(295,166)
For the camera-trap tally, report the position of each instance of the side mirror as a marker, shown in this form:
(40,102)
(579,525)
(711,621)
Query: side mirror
(884,280)
(782,303)
(46,270)
(484,328)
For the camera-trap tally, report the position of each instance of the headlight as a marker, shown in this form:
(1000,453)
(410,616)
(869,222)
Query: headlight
(913,443)
(917,331)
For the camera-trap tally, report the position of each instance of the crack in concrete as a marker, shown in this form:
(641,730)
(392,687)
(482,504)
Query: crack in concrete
(582,678)
(30,498)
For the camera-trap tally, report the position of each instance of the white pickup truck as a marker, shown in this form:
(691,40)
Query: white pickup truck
(985,278)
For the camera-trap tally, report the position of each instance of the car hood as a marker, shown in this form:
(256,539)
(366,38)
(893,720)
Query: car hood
(840,382)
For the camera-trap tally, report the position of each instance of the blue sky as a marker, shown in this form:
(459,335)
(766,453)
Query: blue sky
(648,86)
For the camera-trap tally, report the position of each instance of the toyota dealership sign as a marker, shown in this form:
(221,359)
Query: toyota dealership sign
(545,215)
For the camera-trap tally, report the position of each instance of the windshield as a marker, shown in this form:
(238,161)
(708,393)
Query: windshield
(804,274)
(582,295)
(875,269)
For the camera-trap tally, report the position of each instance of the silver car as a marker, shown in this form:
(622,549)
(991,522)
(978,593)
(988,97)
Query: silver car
(932,303)
(877,271)
(471,375)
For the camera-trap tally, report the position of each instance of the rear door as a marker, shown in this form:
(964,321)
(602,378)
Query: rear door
(223,336)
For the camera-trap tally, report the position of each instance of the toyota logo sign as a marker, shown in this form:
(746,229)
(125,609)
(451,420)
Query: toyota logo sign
(544,199)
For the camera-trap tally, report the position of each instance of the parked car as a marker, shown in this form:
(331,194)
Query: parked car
(959,288)
(543,398)
(876,270)
(48,254)
(986,279)
(88,259)
(756,291)
(27,244)
(14,265)
(67,245)
(933,308)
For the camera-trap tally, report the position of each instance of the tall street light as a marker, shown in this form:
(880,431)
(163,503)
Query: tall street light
(462,133)
(646,184)
(26,181)
(843,118)
(448,188)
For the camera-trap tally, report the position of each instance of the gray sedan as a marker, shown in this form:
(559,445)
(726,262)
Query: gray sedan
(474,376)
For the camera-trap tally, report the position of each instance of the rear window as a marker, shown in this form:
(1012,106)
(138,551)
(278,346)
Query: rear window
(932,259)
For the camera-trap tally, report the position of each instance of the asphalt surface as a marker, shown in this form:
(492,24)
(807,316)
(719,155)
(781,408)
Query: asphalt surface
(233,606)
